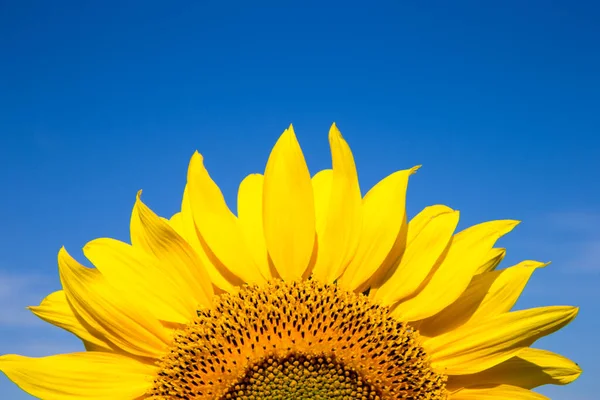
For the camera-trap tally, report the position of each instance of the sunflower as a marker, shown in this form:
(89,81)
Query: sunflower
(310,292)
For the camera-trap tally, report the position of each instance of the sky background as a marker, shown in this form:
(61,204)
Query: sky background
(498,100)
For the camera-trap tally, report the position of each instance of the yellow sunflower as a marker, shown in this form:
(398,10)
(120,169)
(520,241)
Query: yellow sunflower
(310,292)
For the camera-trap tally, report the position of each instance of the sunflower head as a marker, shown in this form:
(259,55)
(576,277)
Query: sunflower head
(309,291)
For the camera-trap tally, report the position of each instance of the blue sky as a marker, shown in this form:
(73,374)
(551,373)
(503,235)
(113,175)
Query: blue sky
(499,102)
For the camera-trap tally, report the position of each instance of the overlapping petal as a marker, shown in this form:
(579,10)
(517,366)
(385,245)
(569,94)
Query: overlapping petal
(111,312)
(467,252)
(184,267)
(76,376)
(494,258)
(289,209)
(488,294)
(339,216)
(429,234)
(131,269)
(384,215)
(55,310)
(221,276)
(476,347)
(250,217)
(529,369)
(217,225)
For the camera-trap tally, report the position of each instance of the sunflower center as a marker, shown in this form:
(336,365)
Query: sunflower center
(301,377)
(297,340)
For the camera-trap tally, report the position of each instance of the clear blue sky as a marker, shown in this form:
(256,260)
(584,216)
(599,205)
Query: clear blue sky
(498,102)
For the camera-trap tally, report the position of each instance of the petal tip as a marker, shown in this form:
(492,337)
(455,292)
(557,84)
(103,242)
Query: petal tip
(62,252)
(139,204)
(510,225)
(333,130)
(196,159)
(575,310)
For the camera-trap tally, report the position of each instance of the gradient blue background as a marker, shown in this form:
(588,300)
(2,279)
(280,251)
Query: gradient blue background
(498,101)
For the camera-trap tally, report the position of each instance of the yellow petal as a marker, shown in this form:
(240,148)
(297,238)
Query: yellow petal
(136,230)
(475,347)
(176,222)
(250,218)
(322,183)
(129,268)
(219,274)
(488,294)
(384,214)
(529,369)
(76,376)
(55,310)
(217,224)
(338,229)
(499,392)
(176,257)
(429,234)
(288,208)
(468,251)
(494,258)
(111,312)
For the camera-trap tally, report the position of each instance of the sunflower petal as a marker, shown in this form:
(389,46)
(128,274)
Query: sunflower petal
(529,369)
(109,311)
(130,269)
(488,294)
(468,251)
(221,276)
(250,218)
(384,213)
(494,258)
(429,234)
(338,232)
(217,224)
(288,208)
(475,347)
(176,222)
(322,183)
(174,253)
(183,223)
(75,376)
(498,392)
(55,310)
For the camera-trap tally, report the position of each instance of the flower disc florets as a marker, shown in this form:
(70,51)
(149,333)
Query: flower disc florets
(301,340)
